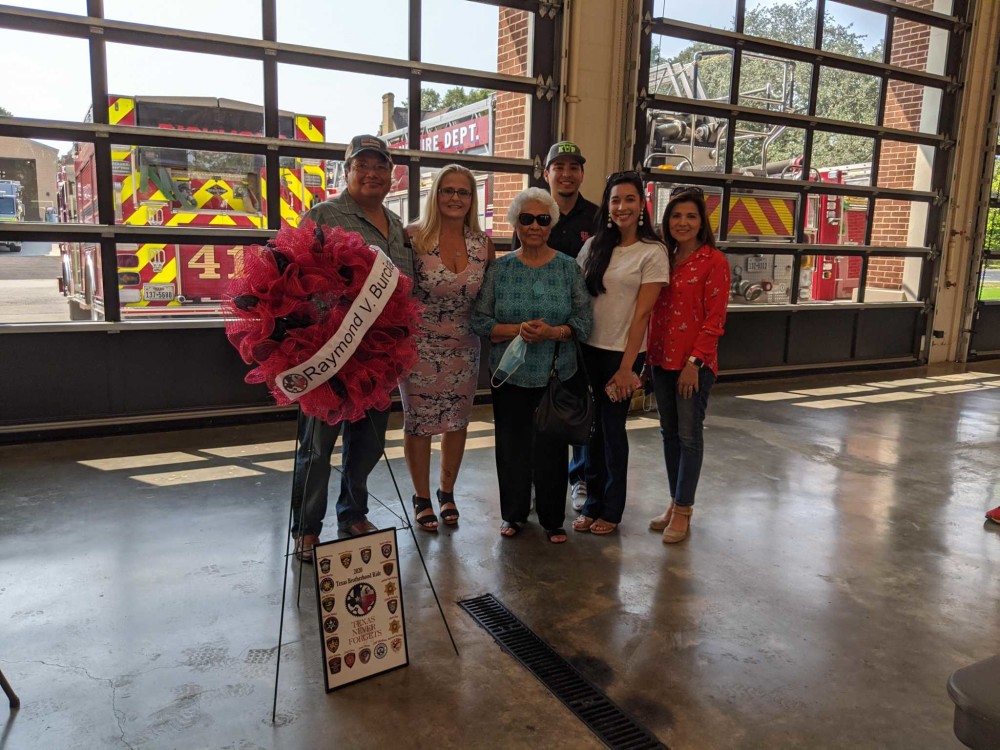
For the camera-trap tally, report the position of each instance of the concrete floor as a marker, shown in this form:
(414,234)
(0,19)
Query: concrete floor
(838,571)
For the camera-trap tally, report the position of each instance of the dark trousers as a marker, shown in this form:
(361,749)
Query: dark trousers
(681,425)
(607,454)
(362,449)
(524,458)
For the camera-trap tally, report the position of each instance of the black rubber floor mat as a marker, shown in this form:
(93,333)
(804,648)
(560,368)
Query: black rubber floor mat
(588,702)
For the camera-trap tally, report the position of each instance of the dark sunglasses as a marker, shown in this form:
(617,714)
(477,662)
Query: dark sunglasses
(620,176)
(526,219)
(687,190)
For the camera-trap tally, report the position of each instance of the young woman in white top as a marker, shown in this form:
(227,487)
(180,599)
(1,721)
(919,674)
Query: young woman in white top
(625,266)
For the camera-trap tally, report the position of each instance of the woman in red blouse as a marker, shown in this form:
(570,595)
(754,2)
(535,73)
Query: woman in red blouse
(684,329)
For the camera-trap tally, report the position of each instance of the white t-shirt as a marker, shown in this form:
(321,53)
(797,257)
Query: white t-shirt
(631,266)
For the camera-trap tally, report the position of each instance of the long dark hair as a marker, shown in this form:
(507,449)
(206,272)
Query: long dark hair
(609,237)
(686,194)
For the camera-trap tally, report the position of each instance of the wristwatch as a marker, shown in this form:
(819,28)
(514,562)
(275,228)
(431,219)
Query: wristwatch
(699,363)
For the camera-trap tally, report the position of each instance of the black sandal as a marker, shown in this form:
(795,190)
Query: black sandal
(507,526)
(421,504)
(551,533)
(448,515)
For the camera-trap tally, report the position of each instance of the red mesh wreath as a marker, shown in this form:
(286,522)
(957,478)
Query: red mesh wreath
(291,296)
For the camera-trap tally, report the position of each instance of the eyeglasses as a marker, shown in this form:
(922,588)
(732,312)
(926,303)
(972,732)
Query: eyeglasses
(450,192)
(687,189)
(379,167)
(620,176)
(526,219)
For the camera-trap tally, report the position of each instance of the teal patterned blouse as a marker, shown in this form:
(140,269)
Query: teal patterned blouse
(513,292)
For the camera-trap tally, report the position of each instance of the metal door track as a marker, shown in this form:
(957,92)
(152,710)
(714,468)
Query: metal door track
(588,702)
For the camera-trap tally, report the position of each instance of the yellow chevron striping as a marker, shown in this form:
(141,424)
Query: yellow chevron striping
(289,215)
(738,228)
(297,189)
(144,252)
(307,128)
(139,217)
(787,219)
(202,195)
(118,111)
(713,218)
(167,275)
(753,208)
(180,219)
(128,187)
(223,220)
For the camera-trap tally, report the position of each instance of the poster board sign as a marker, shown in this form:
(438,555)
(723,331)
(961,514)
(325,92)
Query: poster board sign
(360,605)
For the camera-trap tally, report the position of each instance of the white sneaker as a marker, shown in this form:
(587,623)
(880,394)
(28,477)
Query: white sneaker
(579,495)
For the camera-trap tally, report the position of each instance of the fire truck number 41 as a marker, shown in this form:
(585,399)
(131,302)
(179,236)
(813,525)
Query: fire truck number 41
(204,259)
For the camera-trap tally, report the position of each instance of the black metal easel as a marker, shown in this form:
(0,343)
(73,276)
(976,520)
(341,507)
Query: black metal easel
(15,702)
(288,540)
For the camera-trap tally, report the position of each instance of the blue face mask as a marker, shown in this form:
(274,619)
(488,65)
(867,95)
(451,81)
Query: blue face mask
(512,358)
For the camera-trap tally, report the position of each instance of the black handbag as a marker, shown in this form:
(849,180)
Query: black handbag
(566,411)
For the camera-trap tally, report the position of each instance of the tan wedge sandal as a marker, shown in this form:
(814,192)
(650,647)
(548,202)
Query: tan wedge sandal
(680,525)
(663,520)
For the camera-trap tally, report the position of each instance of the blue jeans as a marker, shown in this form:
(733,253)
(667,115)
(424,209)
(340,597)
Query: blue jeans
(607,454)
(681,425)
(577,464)
(362,449)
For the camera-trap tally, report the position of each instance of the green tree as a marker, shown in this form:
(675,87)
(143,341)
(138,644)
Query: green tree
(458,97)
(429,100)
(991,241)
(783,85)
(4,112)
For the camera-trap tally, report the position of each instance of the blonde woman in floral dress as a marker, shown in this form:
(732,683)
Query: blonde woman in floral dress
(451,254)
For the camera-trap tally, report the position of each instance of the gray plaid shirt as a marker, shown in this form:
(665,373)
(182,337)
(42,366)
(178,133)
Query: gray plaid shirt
(343,211)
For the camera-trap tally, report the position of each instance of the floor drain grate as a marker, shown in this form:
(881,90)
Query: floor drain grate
(578,694)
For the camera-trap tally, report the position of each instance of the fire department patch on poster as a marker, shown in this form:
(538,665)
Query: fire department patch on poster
(360,605)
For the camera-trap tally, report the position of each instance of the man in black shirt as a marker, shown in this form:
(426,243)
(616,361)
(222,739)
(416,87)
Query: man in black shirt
(564,173)
(577,222)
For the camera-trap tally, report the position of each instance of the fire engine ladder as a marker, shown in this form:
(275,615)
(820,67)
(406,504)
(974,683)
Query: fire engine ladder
(674,79)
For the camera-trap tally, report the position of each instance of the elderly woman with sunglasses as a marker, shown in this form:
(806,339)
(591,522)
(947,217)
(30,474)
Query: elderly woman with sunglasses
(625,265)
(687,321)
(531,299)
(451,254)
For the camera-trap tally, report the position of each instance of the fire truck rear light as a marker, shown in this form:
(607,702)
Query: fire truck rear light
(128,261)
(129,278)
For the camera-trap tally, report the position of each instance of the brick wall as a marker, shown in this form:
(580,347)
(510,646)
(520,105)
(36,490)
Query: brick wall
(511,116)
(904,104)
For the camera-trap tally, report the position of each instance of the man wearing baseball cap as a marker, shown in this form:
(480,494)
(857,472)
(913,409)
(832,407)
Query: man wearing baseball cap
(577,222)
(368,165)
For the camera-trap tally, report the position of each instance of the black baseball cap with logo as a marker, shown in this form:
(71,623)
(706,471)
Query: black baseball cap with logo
(564,148)
(361,143)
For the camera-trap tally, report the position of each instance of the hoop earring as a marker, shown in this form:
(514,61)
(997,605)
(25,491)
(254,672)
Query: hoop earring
(610,224)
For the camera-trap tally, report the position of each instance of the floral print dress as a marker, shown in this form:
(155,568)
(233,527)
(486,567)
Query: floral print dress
(437,394)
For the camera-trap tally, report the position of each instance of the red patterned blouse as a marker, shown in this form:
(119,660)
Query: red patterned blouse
(690,314)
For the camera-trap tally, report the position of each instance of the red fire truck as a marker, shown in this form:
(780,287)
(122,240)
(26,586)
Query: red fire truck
(698,143)
(768,216)
(466,130)
(172,187)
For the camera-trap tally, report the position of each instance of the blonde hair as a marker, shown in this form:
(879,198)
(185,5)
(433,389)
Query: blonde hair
(427,229)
